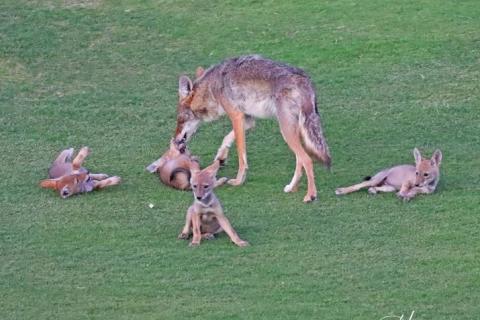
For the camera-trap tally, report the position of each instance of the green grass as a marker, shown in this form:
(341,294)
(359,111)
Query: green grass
(390,75)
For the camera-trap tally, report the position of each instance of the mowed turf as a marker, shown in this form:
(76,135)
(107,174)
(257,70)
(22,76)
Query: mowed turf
(390,75)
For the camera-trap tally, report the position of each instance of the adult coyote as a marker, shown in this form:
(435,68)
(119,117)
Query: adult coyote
(249,87)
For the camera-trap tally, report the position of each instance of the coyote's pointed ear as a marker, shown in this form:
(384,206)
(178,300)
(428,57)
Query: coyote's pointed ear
(213,168)
(49,184)
(199,72)
(184,86)
(436,158)
(417,155)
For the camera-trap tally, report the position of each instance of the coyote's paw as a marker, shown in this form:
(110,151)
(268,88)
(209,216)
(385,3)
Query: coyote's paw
(404,196)
(235,182)
(340,191)
(208,236)
(372,190)
(194,243)
(242,243)
(183,236)
(309,198)
(290,188)
(115,180)
(221,181)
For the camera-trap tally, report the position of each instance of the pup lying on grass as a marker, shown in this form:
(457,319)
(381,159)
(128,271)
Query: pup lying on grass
(68,177)
(408,180)
(175,166)
(205,217)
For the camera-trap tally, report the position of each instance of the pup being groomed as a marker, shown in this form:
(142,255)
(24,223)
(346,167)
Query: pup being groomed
(68,177)
(174,167)
(408,180)
(205,217)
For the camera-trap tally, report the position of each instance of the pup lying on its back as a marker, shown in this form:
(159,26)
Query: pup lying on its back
(408,180)
(68,177)
(175,166)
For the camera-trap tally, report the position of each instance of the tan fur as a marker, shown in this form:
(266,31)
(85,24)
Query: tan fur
(68,177)
(408,180)
(249,87)
(174,167)
(205,217)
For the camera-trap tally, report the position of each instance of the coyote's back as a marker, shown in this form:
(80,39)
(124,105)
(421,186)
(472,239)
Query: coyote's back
(264,88)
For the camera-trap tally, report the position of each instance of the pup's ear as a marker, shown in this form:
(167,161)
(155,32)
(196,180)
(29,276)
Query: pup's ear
(417,155)
(184,86)
(213,168)
(49,184)
(436,158)
(199,72)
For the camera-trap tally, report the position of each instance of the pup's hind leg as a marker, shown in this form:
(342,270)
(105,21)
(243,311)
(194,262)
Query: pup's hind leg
(98,176)
(100,184)
(64,156)
(78,161)
(384,188)
(375,181)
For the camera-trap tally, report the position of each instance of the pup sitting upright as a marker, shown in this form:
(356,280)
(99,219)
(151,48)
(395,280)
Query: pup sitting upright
(407,179)
(175,166)
(205,216)
(68,177)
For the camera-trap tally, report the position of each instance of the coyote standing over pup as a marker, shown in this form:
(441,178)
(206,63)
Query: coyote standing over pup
(407,179)
(249,87)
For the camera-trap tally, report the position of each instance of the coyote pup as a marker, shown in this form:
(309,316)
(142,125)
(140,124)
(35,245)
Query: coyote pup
(249,87)
(68,177)
(408,180)
(205,217)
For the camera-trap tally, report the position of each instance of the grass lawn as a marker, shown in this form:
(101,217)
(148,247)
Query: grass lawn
(390,75)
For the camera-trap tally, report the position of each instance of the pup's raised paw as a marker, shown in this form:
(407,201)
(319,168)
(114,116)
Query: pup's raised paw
(85,151)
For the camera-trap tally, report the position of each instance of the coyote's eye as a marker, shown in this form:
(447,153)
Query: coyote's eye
(425,174)
(205,186)
(194,186)
(416,173)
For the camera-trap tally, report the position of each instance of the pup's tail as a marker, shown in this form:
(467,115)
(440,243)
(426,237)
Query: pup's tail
(176,171)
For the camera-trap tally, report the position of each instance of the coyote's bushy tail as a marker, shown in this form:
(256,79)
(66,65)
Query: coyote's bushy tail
(312,133)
